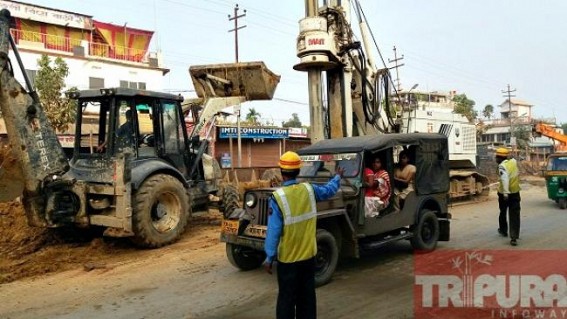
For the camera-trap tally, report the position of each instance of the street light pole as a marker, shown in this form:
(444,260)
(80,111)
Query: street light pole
(415,109)
(509,95)
(237,110)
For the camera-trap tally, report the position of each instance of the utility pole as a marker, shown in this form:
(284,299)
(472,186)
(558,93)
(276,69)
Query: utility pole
(396,60)
(235,18)
(508,94)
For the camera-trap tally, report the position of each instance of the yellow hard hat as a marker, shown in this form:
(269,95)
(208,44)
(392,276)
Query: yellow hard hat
(502,151)
(290,160)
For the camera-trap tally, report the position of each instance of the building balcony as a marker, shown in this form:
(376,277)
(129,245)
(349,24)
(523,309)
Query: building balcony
(82,48)
(519,121)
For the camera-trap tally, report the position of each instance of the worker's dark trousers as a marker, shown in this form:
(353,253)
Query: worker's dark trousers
(512,205)
(296,298)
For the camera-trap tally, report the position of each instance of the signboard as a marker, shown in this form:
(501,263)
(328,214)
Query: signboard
(298,132)
(67,141)
(254,132)
(50,16)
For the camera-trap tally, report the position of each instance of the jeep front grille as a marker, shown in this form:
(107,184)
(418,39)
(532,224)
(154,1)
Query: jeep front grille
(263,211)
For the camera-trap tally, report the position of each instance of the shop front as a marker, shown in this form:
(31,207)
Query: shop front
(260,146)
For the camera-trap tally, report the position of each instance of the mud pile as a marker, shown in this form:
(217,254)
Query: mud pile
(30,251)
(11,179)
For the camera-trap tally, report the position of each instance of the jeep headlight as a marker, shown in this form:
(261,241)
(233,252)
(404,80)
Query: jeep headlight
(250,200)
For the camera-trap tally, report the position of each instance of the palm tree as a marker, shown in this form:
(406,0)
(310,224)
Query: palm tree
(253,116)
(488,111)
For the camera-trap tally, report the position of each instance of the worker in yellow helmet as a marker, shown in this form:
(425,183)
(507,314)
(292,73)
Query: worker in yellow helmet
(508,195)
(291,235)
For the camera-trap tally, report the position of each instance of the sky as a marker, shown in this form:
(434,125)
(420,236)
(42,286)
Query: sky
(472,47)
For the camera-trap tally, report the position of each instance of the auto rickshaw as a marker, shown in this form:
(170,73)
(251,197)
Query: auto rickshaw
(556,178)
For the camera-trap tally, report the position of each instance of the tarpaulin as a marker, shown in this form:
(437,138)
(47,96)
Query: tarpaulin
(124,41)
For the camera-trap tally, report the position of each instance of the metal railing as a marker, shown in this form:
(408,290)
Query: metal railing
(66,44)
(520,120)
(117,52)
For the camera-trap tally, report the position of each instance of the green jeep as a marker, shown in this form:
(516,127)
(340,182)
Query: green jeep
(343,230)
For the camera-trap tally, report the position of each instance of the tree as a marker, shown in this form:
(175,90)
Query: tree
(50,83)
(253,116)
(465,107)
(523,135)
(294,121)
(481,129)
(488,111)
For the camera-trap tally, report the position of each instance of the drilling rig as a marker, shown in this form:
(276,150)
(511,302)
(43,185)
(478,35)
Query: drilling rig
(350,96)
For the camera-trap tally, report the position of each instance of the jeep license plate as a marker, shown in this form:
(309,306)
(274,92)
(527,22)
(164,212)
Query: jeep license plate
(256,231)
(230,227)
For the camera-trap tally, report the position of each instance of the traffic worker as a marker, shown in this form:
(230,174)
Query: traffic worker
(508,195)
(292,235)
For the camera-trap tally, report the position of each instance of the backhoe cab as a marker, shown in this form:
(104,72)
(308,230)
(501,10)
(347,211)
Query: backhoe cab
(134,168)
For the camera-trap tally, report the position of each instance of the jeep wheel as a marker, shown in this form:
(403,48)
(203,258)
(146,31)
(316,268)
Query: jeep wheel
(426,232)
(562,203)
(161,210)
(229,200)
(327,257)
(244,258)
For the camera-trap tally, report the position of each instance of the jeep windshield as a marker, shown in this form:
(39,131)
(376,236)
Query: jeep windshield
(322,165)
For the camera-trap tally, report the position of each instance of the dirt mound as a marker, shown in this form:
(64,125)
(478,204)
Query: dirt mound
(31,251)
(11,179)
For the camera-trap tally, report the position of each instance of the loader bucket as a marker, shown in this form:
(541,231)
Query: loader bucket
(253,80)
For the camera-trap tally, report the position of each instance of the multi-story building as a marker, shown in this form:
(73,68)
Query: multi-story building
(515,115)
(98,54)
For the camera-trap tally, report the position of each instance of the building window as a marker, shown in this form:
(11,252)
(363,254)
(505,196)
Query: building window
(133,85)
(96,83)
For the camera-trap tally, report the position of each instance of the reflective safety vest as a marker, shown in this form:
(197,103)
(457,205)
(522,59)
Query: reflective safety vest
(511,168)
(298,206)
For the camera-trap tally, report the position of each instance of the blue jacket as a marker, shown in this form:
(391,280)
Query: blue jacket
(275,220)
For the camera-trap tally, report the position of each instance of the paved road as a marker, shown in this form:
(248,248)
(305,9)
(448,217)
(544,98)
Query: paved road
(184,281)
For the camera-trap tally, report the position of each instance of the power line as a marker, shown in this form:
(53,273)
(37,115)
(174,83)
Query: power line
(290,101)
(183,4)
(267,14)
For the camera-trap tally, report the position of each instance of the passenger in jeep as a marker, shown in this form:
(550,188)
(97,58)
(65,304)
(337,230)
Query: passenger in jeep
(404,176)
(377,194)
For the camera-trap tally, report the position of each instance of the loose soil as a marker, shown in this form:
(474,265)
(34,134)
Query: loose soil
(11,180)
(27,251)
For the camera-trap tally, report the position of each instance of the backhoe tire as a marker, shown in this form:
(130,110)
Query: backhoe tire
(161,211)
(230,200)
(425,232)
(244,258)
(327,257)
(562,203)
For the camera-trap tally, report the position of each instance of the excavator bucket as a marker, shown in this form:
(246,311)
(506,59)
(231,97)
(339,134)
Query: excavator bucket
(252,80)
